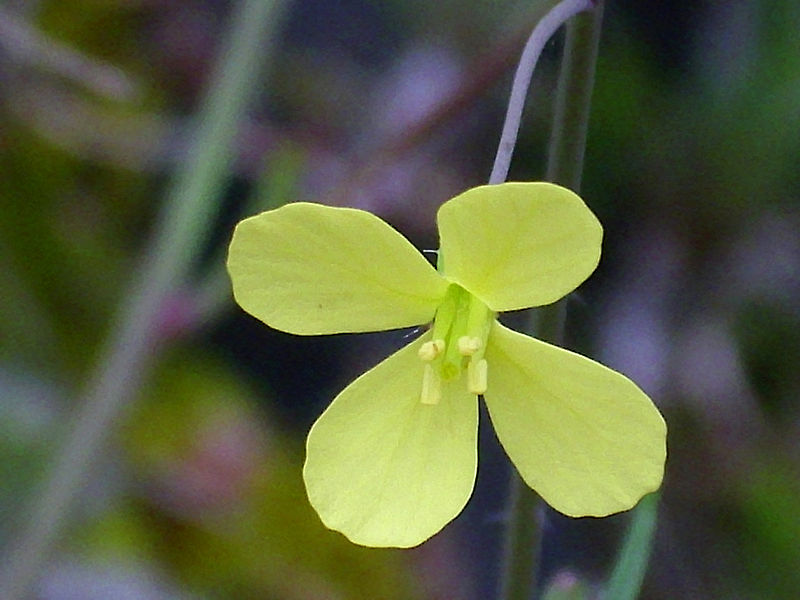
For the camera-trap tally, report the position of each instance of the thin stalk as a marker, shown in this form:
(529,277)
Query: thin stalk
(565,163)
(188,210)
(522,542)
(543,31)
(631,566)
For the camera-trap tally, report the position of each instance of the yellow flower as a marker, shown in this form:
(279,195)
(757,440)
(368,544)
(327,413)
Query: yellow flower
(393,458)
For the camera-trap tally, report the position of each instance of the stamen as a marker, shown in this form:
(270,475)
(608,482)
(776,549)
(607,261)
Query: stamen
(431,386)
(431,349)
(477,376)
(456,344)
(467,345)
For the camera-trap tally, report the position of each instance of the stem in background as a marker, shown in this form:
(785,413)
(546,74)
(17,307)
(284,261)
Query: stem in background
(565,163)
(29,46)
(188,211)
(631,565)
(573,100)
(522,542)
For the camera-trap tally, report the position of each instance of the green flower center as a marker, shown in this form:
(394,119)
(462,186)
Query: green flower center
(458,341)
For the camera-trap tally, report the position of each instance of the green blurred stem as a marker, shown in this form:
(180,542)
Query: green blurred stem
(189,208)
(522,542)
(628,574)
(565,164)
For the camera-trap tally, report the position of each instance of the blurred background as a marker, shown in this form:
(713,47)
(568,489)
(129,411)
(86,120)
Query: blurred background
(394,107)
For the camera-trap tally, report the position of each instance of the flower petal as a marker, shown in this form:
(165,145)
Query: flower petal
(586,438)
(311,269)
(517,245)
(385,469)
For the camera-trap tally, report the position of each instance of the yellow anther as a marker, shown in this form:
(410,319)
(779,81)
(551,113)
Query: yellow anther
(468,345)
(477,374)
(431,386)
(431,349)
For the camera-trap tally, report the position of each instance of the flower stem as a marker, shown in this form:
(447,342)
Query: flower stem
(188,211)
(543,31)
(565,164)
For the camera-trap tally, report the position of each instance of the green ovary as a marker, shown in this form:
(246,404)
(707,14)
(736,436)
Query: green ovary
(458,341)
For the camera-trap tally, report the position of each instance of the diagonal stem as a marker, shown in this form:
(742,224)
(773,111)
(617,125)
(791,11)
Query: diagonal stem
(627,577)
(188,211)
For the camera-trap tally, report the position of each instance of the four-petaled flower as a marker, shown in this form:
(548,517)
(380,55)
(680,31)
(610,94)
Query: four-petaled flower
(394,457)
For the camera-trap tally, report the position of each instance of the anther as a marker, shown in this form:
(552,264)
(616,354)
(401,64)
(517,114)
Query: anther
(477,375)
(468,345)
(431,349)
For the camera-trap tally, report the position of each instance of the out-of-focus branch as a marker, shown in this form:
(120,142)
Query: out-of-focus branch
(150,141)
(188,211)
(29,46)
(485,72)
